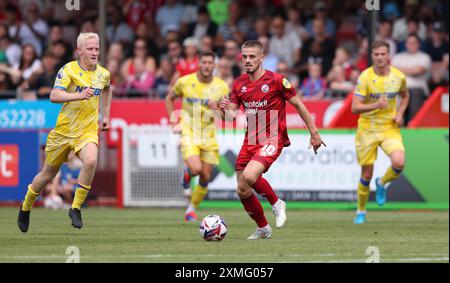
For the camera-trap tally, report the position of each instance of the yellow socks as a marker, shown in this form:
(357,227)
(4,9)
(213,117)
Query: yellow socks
(198,195)
(29,200)
(363,194)
(80,195)
(390,175)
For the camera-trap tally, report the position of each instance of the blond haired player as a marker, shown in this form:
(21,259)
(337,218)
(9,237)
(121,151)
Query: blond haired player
(375,98)
(201,93)
(78,85)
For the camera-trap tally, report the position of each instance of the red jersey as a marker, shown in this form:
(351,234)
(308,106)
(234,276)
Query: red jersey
(187,66)
(264,102)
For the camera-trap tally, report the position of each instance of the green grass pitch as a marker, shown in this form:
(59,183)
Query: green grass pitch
(160,235)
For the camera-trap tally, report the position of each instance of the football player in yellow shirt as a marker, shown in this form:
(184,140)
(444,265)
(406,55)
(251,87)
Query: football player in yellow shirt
(78,85)
(201,93)
(375,98)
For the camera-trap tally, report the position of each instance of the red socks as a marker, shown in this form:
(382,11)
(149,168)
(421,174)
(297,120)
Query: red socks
(262,187)
(255,210)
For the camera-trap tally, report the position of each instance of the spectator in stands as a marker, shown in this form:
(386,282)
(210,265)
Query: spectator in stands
(12,51)
(271,60)
(7,89)
(320,13)
(327,44)
(283,9)
(12,18)
(118,30)
(141,81)
(361,62)
(343,60)
(135,12)
(140,51)
(416,65)
(339,85)
(412,28)
(218,9)
(235,28)
(174,51)
(32,30)
(225,72)
(313,53)
(437,48)
(115,52)
(87,26)
(188,63)
(385,34)
(21,72)
(260,10)
(287,46)
(169,17)
(203,26)
(147,33)
(206,44)
(294,24)
(165,74)
(314,86)
(283,69)
(61,50)
(400,29)
(232,52)
(43,79)
(260,28)
(116,79)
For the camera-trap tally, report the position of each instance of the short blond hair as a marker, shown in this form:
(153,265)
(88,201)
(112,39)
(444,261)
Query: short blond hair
(83,37)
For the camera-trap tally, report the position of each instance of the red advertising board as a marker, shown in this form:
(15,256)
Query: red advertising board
(132,113)
(9,165)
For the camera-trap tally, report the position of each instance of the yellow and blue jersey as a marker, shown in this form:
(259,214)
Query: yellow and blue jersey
(197,116)
(371,87)
(78,117)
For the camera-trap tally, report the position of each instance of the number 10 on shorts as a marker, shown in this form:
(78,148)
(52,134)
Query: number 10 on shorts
(267,150)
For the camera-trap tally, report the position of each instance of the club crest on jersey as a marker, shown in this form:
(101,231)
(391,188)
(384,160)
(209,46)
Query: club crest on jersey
(265,88)
(286,83)
(244,89)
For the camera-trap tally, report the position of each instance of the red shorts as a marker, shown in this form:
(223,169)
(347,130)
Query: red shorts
(266,154)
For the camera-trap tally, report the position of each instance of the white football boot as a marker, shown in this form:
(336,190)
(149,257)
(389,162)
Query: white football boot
(279,210)
(261,233)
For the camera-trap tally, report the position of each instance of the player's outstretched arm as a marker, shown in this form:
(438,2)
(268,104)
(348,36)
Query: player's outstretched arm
(106,101)
(358,105)
(316,140)
(61,96)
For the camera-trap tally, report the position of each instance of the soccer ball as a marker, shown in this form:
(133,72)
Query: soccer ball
(213,228)
(53,202)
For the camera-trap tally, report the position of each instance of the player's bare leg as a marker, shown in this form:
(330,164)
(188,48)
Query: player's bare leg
(363,193)
(250,174)
(88,155)
(39,182)
(397,163)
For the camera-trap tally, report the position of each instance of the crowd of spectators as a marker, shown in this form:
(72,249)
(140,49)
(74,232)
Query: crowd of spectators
(320,46)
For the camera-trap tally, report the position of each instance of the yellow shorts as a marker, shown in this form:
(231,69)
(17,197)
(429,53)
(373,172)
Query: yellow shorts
(58,146)
(367,142)
(207,153)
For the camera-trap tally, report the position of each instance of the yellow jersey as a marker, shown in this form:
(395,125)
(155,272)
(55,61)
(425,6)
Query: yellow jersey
(78,117)
(371,87)
(197,117)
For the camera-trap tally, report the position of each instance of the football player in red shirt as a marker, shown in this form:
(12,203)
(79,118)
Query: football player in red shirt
(263,95)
